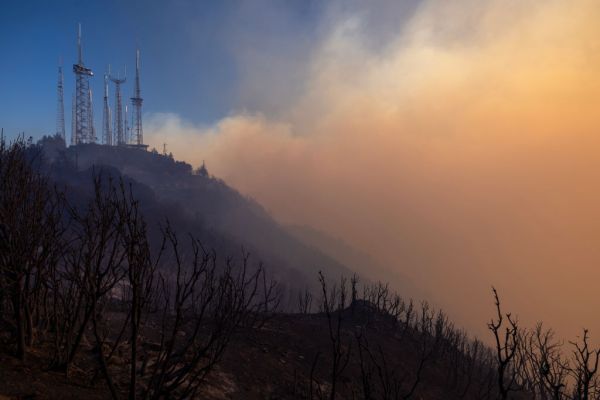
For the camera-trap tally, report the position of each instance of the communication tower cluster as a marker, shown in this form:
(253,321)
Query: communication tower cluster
(114,132)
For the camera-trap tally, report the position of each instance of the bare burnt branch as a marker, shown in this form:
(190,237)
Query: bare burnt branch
(506,337)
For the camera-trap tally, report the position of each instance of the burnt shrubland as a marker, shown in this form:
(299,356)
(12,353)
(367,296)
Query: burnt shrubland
(105,295)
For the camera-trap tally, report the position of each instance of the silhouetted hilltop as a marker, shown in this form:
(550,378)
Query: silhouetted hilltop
(198,203)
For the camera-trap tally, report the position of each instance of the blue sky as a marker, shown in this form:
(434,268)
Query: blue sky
(191,50)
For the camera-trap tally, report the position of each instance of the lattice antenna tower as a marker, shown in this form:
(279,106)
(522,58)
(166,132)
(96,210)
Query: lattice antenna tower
(136,102)
(92,138)
(119,131)
(127,128)
(73,119)
(84,130)
(107,134)
(60,105)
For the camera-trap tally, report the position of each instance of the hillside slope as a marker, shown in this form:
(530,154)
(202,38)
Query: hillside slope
(358,261)
(280,359)
(199,204)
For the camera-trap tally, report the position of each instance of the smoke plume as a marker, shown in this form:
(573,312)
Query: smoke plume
(460,148)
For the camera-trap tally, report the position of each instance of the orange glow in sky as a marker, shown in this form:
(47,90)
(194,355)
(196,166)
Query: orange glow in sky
(465,154)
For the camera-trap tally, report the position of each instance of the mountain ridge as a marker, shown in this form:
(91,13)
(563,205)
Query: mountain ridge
(202,204)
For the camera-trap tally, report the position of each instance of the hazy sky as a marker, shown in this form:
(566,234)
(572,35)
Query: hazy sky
(456,141)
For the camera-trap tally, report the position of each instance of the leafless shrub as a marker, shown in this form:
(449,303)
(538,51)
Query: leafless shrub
(584,369)
(543,368)
(506,339)
(534,363)
(30,244)
(385,375)
(305,300)
(333,303)
(94,263)
(191,313)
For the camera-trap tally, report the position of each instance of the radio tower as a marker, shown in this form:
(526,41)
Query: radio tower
(106,117)
(127,130)
(92,138)
(136,102)
(84,130)
(119,132)
(60,107)
(73,120)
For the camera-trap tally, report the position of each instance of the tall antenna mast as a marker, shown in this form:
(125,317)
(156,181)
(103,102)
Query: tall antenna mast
(92,133)
(119,132)
(79,51)
(136,102)
(60,107)
(107,135)
(73,120)
(84,129)
(127,130)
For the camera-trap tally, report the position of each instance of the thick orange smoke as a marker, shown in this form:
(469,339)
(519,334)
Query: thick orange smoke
(465,154)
